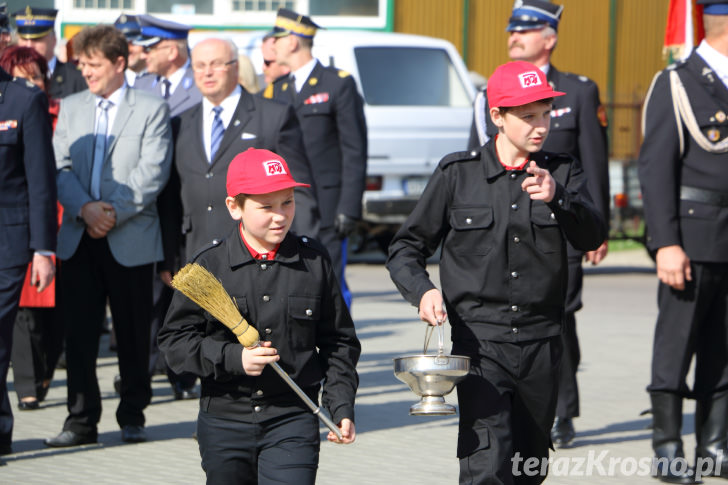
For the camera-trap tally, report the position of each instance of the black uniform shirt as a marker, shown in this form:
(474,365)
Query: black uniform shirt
(503,263)
(295,302)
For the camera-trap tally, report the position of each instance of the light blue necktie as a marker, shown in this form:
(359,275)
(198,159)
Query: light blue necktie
(100,148)
(217,132)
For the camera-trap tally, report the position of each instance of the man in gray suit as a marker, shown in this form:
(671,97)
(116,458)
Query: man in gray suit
(113,153)
(168,63)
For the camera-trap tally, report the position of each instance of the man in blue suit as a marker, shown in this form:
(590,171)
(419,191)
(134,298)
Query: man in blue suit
(27,213)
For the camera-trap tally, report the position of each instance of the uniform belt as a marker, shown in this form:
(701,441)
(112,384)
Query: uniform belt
(710,197)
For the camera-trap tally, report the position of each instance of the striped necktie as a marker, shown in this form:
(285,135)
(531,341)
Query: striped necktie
(217,132)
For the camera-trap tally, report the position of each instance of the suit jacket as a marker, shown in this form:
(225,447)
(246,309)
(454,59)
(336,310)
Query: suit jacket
(185,96)
(578,128)
(700,228)
(331,113)
(66,80)
(27,173)
(136,168)
(256,123)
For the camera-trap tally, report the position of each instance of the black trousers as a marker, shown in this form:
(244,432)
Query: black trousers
(86,280)
(692,322)
(281,450)
(11,284)
(567,405)
(507,404)
(37,345)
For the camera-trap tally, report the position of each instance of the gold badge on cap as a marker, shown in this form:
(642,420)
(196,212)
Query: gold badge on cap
(313,81)
(720,116)
(713,134)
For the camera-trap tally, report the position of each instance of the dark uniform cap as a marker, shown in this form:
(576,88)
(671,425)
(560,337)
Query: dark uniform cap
(129,26)
(155,30)
(534,14)
(34,23)
(4,21)
(289,22)
(714,7)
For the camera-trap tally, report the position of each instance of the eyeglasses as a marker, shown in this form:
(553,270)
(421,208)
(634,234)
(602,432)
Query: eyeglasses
(214,65)
(268,62)
(150,48)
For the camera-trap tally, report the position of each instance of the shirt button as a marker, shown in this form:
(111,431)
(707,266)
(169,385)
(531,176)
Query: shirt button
(309,312)
(257,409)
(552,216)
(516,239)
(268,331)
(514,175)
(514,308)
(259,392)
(209,208)
(561,201)
(264,266)
(514,275)
(514,330)
(208,175)
(266,298)
(514,207)
(469,220)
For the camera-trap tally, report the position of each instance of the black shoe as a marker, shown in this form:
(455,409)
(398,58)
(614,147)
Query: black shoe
(6,449)
(117,384)
(181,393)
(71,438)
(28,405)
(42,392)
(562,432)
(132,433)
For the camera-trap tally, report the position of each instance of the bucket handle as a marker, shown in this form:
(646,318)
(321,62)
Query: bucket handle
(440,337)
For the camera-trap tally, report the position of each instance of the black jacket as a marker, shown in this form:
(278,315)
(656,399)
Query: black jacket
(331,113)
(700,228)
(66,80)
(503,266)
(295,302)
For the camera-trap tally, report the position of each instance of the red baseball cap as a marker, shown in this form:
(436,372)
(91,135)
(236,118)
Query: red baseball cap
(517,83)
(257,171)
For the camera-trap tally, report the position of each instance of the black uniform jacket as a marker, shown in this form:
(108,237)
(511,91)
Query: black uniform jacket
(66,80)
(295,302)
(256,123)
(576,129)
(700,228)
(503,265)
(331,113)
(27,173)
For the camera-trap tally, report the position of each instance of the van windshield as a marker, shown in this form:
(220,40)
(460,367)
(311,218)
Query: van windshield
(409,76)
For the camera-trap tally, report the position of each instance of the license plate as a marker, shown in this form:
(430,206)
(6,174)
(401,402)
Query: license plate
(415,185)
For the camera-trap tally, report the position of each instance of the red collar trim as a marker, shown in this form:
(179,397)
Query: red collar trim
(255,254)
(508,167)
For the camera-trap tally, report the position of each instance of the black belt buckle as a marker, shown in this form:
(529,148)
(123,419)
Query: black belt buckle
(705,196)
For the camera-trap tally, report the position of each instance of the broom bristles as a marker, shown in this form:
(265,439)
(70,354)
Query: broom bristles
(201,286)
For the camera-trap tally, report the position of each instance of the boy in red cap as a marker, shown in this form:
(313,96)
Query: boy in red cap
(251,426)
(503,214)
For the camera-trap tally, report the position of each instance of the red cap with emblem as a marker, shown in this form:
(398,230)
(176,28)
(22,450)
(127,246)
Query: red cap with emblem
(517,83)
(257,171)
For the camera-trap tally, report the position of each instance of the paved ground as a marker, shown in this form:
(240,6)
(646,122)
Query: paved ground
(615,329)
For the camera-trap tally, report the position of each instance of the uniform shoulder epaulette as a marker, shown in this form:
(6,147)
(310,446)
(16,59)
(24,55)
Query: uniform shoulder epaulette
(343,74)
(578,77)
(677,64)
(212,244)
(459,157)
(312,244)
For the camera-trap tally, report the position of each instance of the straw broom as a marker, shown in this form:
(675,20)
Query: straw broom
(201,286)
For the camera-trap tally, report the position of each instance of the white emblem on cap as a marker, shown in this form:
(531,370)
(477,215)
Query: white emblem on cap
(274,167)
(529,79)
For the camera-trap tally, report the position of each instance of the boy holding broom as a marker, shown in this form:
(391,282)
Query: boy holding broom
(251,427)
(503,214)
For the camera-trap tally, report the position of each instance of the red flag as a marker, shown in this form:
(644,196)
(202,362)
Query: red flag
(684,28)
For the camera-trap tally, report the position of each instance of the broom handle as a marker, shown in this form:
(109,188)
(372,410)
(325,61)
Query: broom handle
(316,409)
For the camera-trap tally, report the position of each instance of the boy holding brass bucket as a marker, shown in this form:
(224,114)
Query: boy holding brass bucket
(503,214)
(251,426)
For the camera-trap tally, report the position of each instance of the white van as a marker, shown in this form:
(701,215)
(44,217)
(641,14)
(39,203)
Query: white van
(418,100)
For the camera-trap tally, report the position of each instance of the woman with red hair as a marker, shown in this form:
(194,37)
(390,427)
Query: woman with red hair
(37,333)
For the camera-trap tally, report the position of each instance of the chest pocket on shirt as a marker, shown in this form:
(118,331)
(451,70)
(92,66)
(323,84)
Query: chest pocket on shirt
(566,121)
(9,136)
(304,312)
(315,109)
(471,228)
(546,231)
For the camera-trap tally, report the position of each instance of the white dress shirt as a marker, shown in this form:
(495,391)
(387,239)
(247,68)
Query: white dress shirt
(717,61)
(228,110)
(301,74)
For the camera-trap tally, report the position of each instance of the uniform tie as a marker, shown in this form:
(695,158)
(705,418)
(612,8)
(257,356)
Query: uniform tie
(217,132)
(166,85)
(100,148)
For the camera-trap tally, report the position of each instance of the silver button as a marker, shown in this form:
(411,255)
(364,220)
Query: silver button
(561,201)
(514,275)
(266,298)
(268,331)
(514,175)
(215,242)
(516,239)
(209,208)
(309,312)
(208,175)
(514,330)
(257,409)
(552,216)
(514,207)
(556,125)
(469,220)
(304,239)
(264,266)
(514,308)
(259,392)
(473,153)
(691,211)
